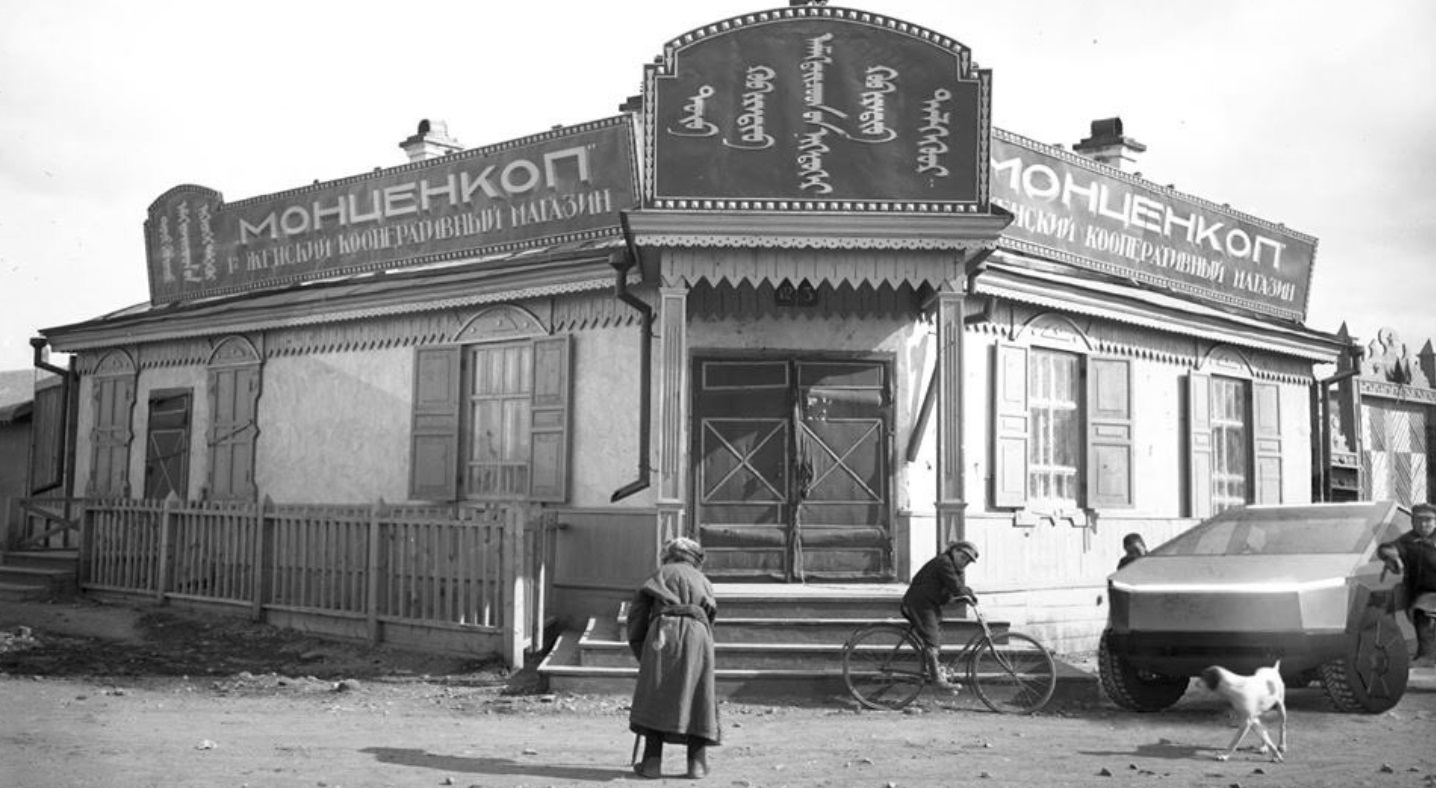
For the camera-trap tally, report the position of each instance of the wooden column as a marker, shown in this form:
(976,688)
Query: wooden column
(951,499)
(672,374)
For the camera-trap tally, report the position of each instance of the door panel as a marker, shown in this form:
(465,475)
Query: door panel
(791,469)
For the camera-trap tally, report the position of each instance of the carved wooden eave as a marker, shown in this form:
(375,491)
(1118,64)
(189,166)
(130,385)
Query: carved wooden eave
(1136,307)
(357,299)
(849,248)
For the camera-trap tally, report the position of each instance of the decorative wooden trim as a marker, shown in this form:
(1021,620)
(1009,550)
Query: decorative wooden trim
(1397,391)
(672,399)
(1053,329)
(235,351)
(504,321)
(116,363)
(178,353)
(708,301)
(950,396)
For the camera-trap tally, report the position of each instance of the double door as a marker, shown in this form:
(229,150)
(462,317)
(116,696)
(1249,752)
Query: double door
(792,462)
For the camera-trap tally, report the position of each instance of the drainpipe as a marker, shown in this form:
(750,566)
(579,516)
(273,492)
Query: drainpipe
(67,447)
(645,360)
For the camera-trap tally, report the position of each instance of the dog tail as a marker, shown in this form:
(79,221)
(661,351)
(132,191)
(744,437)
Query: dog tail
(1276,666)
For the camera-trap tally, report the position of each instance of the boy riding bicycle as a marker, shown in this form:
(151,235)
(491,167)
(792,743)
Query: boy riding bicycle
(938,582)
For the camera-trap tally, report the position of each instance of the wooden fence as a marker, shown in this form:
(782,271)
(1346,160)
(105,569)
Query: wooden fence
(481,576)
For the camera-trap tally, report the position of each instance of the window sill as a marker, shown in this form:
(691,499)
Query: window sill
(1053,516)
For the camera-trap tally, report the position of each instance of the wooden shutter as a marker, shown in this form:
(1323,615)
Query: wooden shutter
(234,425)
(1109,432)
(114,399)
(1199,445)
(1010,431)
(434,439)
(548,466)
(1266,440)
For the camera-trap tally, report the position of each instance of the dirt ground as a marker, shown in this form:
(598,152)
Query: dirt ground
(119,697)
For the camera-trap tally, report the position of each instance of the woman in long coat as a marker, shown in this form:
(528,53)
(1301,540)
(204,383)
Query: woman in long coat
(670,629)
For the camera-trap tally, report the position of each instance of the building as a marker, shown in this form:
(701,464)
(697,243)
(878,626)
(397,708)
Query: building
(805,305)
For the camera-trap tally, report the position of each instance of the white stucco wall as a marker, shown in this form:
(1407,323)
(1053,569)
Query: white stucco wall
(334,427)
(604,418)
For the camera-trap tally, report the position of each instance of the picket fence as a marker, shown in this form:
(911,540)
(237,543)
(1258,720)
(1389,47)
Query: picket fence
(468,579)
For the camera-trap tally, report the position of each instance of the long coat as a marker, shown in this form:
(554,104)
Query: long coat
(670,632)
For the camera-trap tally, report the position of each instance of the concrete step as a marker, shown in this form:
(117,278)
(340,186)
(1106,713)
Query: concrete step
(42,559)
(17,592)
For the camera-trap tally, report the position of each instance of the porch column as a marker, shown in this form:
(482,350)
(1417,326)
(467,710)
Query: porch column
(951,501)
(672,410)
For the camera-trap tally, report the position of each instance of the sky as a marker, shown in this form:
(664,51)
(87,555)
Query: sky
(1309,113)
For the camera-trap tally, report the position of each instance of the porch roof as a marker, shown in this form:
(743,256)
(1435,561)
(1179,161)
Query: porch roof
(564,268)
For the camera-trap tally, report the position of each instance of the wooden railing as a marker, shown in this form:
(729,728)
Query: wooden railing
(485,570)
(39,523)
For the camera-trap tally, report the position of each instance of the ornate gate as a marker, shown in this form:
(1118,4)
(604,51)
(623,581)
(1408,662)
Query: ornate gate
(791,466)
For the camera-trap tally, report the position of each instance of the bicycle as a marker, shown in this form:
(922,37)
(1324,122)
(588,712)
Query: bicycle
(1011,672)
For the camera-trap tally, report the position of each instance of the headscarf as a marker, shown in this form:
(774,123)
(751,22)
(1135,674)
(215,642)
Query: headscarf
(683,549)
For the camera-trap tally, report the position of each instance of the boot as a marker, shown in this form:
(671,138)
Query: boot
(934,669)
(697,761)
(651,766)
(1425,641)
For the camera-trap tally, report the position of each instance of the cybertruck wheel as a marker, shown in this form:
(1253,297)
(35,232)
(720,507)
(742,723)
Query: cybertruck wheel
(1134,689)
(1371,677)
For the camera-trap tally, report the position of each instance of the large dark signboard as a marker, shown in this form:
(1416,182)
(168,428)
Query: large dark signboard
(1068,208)
(817,108)
(563,185)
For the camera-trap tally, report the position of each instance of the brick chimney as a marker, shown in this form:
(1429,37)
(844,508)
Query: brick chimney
(431,141)
(1109,146)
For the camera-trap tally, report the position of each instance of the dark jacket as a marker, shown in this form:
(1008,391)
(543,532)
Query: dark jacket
(1419,557)
(670,632)
(938,582)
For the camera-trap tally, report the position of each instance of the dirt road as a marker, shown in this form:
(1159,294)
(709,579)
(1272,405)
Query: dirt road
(309,726)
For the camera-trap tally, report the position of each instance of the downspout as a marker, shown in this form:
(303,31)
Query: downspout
(645,360)
(66,445)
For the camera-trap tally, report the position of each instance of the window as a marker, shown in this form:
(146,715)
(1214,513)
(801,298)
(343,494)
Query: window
(1063,432)
(1054,451)
(167,449)
(491,421)
(1233,443)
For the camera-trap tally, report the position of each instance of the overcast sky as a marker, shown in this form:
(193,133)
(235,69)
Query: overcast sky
(1310,113)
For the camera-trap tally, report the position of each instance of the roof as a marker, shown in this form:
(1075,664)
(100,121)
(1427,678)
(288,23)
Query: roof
(1055,286)
(17,392)
(564,268)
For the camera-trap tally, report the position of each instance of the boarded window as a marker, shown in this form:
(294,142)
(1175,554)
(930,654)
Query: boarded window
(491,421)
(167,446)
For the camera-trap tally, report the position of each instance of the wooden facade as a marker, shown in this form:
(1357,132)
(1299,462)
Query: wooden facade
(838,389)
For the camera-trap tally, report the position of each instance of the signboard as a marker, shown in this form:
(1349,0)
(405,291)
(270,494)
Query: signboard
(564,185)
(1069,208)
(817,108)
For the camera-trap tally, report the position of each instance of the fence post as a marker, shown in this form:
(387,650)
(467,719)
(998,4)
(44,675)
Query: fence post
(371,601)
(515,612)
(86,547)
(166,561)
(262,551)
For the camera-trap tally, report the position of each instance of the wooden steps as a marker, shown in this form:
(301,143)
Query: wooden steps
(38,575)
(770,642)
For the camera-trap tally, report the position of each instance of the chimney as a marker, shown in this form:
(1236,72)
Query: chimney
(431,142)
(1108,146)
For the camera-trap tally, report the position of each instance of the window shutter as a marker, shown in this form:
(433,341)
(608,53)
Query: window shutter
(1109,432)
(233,407)
(1266,435)
(246,382)
(548,468)
(1199,445)
(114,397)
(1009,473)
(434,447)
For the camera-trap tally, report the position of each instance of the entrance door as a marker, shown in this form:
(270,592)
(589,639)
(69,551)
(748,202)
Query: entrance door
(791,468)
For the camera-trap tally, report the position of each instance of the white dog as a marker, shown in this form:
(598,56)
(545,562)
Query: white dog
(1251,696)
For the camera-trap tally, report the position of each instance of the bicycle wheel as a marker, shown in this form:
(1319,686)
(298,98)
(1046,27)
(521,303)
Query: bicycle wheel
(1012,673)
(883,666)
